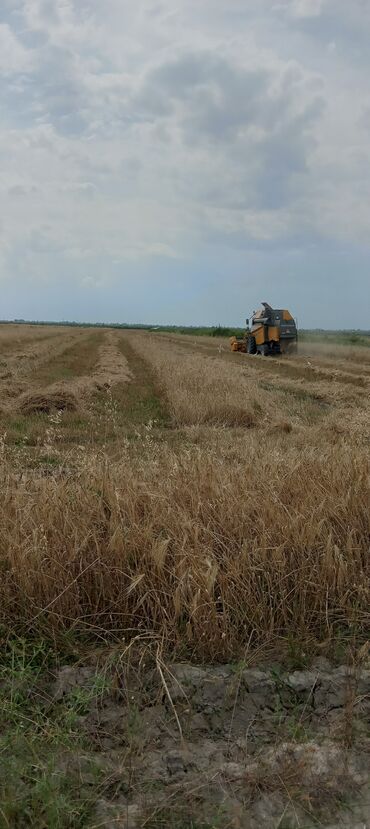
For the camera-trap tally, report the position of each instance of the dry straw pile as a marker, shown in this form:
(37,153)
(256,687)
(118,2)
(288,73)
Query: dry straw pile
(47,401)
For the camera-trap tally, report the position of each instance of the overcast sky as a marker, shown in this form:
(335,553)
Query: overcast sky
(182,160)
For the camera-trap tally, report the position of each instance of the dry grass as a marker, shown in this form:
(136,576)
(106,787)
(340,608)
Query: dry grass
(207,536)
(207,387)
(13,336)
(47,402)
(336,351)
(207,552)
(201,390)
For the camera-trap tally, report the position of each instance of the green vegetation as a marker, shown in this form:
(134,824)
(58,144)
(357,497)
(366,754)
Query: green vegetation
(352,338)
(176,817)
(201,331)
(46,777)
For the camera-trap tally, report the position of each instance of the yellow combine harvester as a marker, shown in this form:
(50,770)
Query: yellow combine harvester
(271,332)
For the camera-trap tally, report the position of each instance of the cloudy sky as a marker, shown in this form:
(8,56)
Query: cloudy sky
(182,160)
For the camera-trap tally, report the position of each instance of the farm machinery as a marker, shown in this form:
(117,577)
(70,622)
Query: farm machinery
(270,331)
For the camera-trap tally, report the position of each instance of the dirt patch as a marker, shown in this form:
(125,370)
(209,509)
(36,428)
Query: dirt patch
(215,742)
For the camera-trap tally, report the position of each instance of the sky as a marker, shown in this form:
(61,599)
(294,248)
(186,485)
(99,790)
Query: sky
(180,161)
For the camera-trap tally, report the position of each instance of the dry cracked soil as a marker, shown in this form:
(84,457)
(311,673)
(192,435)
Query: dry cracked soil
(228,746)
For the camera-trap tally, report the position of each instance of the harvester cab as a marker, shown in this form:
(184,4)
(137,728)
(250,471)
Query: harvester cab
(269,331)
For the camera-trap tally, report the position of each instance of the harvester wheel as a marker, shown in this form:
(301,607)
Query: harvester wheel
(251,347)
(265,350)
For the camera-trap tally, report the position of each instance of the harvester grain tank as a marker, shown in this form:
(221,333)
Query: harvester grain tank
(270,331)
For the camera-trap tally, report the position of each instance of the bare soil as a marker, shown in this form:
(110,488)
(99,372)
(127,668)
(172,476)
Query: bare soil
(230,746)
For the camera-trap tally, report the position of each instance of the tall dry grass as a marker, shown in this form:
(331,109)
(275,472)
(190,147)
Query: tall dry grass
(214,539)
(358,355)
(207,552)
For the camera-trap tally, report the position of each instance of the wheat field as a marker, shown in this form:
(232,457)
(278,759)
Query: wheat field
(161,485)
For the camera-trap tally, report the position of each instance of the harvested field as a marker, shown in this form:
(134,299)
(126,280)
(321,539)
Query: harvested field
(184,602)
(108,368)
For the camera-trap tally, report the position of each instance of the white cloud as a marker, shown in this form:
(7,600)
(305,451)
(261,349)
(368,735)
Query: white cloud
(135,131)
(14,58)
(306,8)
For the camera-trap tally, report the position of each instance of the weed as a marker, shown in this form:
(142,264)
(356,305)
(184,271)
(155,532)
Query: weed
(297,657)
(39,785)
(296,729)
(35,790)
(180,818)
